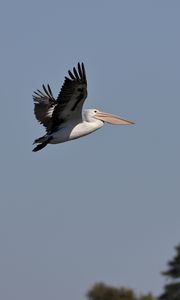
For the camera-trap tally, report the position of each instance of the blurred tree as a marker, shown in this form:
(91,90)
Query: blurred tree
(101,291)
(172,289)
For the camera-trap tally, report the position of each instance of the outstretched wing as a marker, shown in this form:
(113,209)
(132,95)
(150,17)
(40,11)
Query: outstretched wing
(71,97)
(68,105)
(44,104)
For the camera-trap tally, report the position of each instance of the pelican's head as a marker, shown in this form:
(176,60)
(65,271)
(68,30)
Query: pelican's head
(106,117)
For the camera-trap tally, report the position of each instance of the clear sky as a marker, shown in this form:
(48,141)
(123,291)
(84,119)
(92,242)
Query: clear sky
(105,207)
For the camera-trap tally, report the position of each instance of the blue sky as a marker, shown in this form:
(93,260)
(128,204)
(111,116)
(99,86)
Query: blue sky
(104,207)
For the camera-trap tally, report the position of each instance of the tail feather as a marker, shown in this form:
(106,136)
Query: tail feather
(39,147)
(43,141)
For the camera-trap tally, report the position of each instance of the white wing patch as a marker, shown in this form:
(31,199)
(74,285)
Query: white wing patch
(50,111)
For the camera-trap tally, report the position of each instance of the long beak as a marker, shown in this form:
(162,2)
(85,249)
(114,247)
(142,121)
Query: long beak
(112,119)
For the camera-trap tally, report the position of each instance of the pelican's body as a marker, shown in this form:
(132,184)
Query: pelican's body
(75,129)
(64,118)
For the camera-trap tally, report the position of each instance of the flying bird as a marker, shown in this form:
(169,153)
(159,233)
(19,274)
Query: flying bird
(64,118)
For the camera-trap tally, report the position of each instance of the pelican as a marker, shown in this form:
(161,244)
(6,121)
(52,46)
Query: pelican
(63,117)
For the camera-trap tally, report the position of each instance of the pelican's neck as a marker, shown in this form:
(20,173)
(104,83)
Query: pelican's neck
(85,115)
(90,120)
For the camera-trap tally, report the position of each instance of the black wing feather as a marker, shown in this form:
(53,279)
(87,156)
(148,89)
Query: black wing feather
(50,91)
(80,71)
(76,74)
(71,75)
(71,97)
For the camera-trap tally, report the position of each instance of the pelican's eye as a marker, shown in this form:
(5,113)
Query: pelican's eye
(95,111)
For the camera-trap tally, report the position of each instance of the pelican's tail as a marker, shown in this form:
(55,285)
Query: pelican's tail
(42,141)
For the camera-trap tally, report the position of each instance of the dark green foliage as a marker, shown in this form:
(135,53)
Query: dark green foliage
(174,265)
(172,289)
(101,291)
(171,292)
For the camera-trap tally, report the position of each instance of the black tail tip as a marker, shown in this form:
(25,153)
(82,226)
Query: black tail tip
(39,147)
